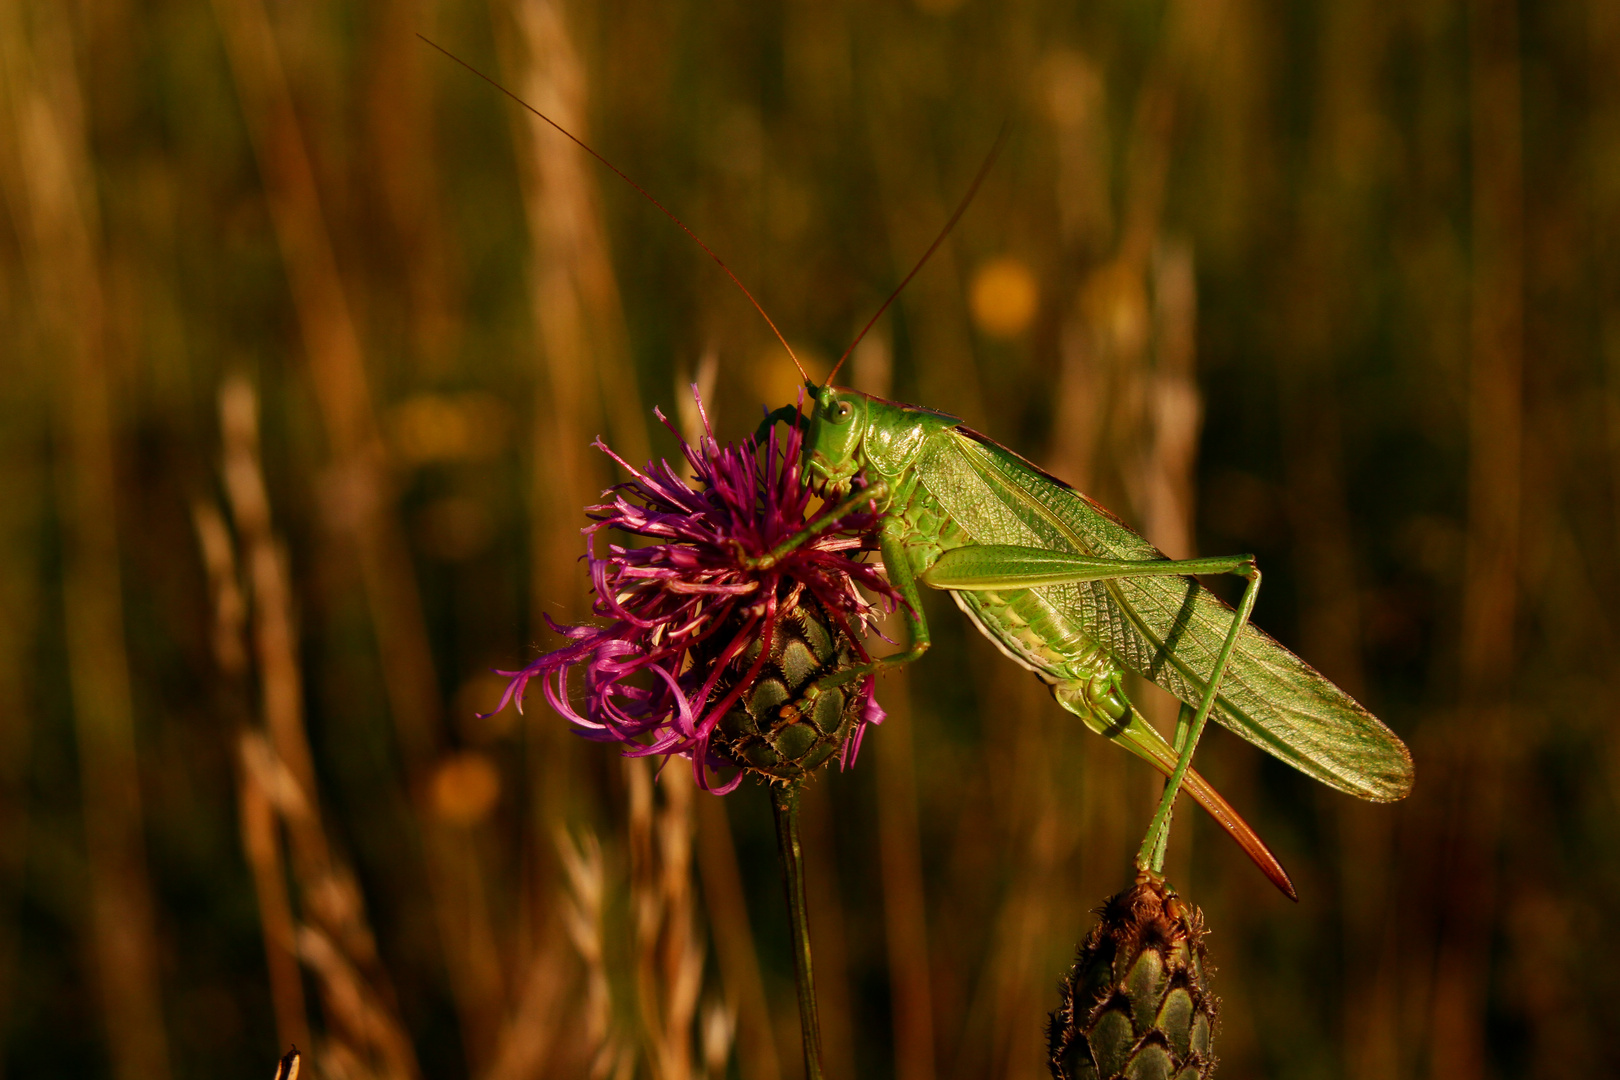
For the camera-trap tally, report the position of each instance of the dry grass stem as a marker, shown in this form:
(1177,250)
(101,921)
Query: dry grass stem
(361,492)
(576,298)
(734,942)
(529,1035)
(262,842)
(1483,760)
(285,764)
(277,783)
(583,915)
(261,839)
(56,209)
(583,382)
(669,956)
(355,1013)
(905,913)
(719,1028)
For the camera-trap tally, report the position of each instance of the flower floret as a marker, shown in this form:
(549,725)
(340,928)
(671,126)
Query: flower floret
(685,611)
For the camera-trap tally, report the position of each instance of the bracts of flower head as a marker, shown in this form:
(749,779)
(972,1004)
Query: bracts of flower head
(1137,1002)
(706,655)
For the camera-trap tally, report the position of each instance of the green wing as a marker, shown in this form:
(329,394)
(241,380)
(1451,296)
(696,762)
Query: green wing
(1166,629)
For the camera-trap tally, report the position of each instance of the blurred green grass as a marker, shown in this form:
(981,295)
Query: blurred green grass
(1334,283)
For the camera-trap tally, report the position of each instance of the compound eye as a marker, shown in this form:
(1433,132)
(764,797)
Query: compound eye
(841,412)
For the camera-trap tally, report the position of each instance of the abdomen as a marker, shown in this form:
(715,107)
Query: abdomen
(1030,631)
(951,507)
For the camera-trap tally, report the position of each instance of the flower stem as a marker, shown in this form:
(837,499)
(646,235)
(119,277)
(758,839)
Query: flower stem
(785,801)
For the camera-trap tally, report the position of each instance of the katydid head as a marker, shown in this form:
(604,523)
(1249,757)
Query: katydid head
(832,444)
(849,433)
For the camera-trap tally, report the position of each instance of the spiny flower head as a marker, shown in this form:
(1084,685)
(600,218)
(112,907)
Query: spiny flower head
(694,618)
(1137,1002)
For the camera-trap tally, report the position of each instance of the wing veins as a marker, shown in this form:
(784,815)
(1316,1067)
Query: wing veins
(1337,757)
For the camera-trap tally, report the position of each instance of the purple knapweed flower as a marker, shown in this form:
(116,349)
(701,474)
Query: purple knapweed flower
(694,649)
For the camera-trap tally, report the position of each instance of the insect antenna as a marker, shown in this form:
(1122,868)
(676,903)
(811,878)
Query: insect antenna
(644,194)
(973,189)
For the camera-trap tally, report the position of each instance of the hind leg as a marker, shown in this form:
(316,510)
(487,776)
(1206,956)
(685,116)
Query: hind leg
(1103,707)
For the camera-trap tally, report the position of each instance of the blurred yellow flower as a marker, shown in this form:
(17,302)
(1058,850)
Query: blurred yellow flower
(464,788)
(1003,297)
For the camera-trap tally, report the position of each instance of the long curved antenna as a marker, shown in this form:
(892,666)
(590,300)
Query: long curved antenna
(644,194)
(984,170)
